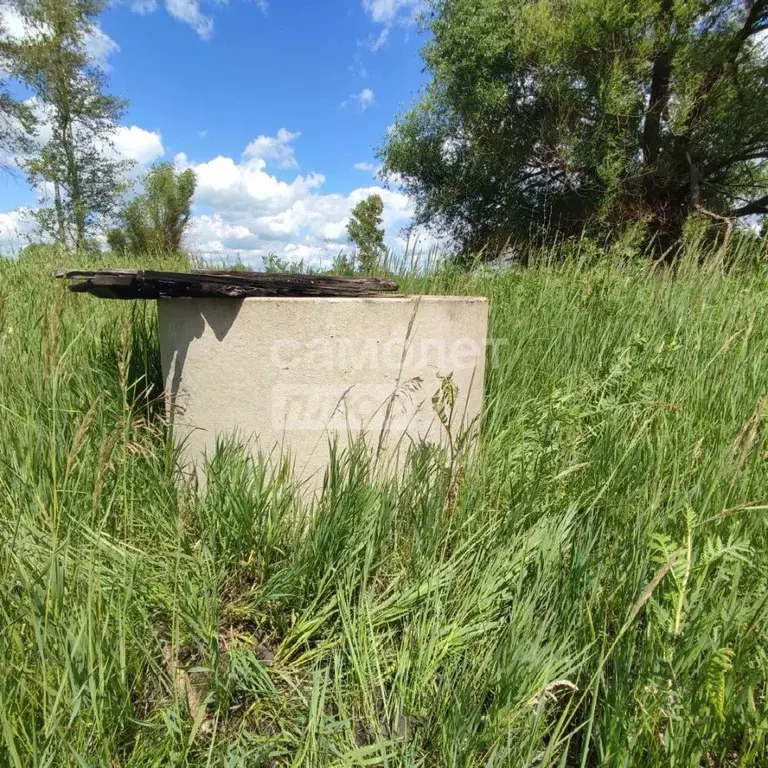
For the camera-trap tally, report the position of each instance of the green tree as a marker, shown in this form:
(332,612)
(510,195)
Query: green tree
(552,117)
(155,221)
(16,118)
(366,232)
(78,164)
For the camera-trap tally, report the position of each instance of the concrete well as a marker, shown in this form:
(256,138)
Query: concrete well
(287,374)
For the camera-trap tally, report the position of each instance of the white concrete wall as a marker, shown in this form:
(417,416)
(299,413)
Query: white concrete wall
(288,373)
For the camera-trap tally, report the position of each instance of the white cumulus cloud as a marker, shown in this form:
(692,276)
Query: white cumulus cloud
(368,167)
(277,148)
(246,186)
(15,227)
(100,47)
(138,144)
(243,210)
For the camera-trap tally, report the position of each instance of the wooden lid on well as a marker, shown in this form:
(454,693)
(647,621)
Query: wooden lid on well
(220,284)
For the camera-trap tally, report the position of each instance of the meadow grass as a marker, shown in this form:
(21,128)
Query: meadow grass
(590,589)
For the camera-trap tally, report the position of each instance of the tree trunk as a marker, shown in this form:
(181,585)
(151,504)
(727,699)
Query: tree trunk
(60,224)
(73,177)
(658,98)
(665,227)
(62,104)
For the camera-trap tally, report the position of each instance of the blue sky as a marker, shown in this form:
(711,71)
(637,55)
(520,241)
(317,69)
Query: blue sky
(273,104)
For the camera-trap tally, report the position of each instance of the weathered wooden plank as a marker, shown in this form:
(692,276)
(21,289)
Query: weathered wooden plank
(264,279)
(151,284)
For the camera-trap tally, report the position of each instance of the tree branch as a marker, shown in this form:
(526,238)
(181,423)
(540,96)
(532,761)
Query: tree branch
(659,94)
(755,22)
(739,157)
(757,13)
(750,209)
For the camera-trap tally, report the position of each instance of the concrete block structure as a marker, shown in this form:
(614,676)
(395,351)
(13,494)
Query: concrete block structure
(288,375)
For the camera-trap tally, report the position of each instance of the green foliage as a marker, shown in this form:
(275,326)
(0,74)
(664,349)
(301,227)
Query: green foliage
(366,232)
(16,118)
(76,168)
(118,242)
(274,263)
(39,254)
(155,221)
(546,119)
(16,124)
(590,589)
(343,265)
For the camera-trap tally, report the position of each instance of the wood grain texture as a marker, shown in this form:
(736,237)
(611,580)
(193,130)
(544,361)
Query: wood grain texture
(150,284)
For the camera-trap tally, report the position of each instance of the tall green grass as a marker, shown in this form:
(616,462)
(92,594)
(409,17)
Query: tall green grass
(591,589)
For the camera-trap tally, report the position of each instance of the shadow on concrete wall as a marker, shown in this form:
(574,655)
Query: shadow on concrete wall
(179,327)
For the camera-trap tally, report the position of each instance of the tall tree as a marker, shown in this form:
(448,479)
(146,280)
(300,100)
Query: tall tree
(77,165)
(16,118)
(365,230)
(555,116)
(156,220)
